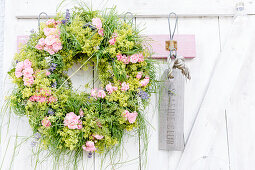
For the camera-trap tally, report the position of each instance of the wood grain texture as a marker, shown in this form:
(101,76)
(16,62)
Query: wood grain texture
(171,112)
(186,45)
(184,7)
(240,111)
(207,124)
(153,17)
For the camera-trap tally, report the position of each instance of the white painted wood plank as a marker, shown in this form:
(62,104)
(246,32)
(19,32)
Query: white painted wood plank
(140,7)
(21,127)
(207,47)
(208,122)
(241,118)
(2,10)
(219,155)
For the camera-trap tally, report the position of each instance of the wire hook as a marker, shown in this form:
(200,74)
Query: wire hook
(176,21)
(39,18)
(132,16)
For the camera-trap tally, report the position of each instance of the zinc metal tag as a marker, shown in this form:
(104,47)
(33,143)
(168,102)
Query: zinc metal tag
(171,112)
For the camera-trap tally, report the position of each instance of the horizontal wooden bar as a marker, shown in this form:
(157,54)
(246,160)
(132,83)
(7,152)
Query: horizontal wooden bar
(148,16)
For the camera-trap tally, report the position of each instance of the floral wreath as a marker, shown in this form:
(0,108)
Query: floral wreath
(64,119)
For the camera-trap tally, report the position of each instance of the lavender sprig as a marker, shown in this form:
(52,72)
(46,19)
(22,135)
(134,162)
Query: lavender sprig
(90,155)
(144,95)
(52,67)
(51,112)
(54,84)
(67,17)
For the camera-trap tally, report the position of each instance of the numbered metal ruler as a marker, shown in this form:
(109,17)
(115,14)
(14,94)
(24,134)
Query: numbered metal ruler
(171,112)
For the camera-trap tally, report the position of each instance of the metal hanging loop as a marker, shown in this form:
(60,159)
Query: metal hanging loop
(169,24)
(131,15)
(172,45)
(39,18)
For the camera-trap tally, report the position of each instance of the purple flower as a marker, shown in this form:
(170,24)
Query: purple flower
(52,67)
(37,136)
(67,14)
(144,95)
(51,112)
(90,155)
(33,143)
(90,26)
(64,21)
(54,84)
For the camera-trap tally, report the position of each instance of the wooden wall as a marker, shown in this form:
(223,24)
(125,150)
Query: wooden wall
(210,21)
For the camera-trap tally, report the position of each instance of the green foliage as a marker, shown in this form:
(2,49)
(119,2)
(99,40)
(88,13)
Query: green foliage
(103,116)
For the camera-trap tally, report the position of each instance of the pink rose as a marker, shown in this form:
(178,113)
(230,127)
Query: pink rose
(132,117)
(18,74)
(81,113)
(39,47)
(119,57)
(51,31)
(46,122)
(112,41)
(49,49)
(58,22)
(52,99)
(124,86)
(101,31)
(125,114)
(125,59)
(97,23)
(139,75)
(94,93)
(28,72)
(42,99)
(72,121)
(145,81)
(36,98)
(50,40)
(141,58)
(51,22)
(28,81)
(47,73)
(109,88)
(56,47)
(134,58)
(32,98)
(99,137)
(41,42)
(90,147)
(20,66)
(101,94)
(27,63)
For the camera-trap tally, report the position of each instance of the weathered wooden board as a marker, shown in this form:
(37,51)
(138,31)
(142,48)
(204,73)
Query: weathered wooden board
(219,155)
(1,47)
(184,7)
(205,29)
(241,117)
(171,112)
(186,45)
(208,32)
(207,124)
